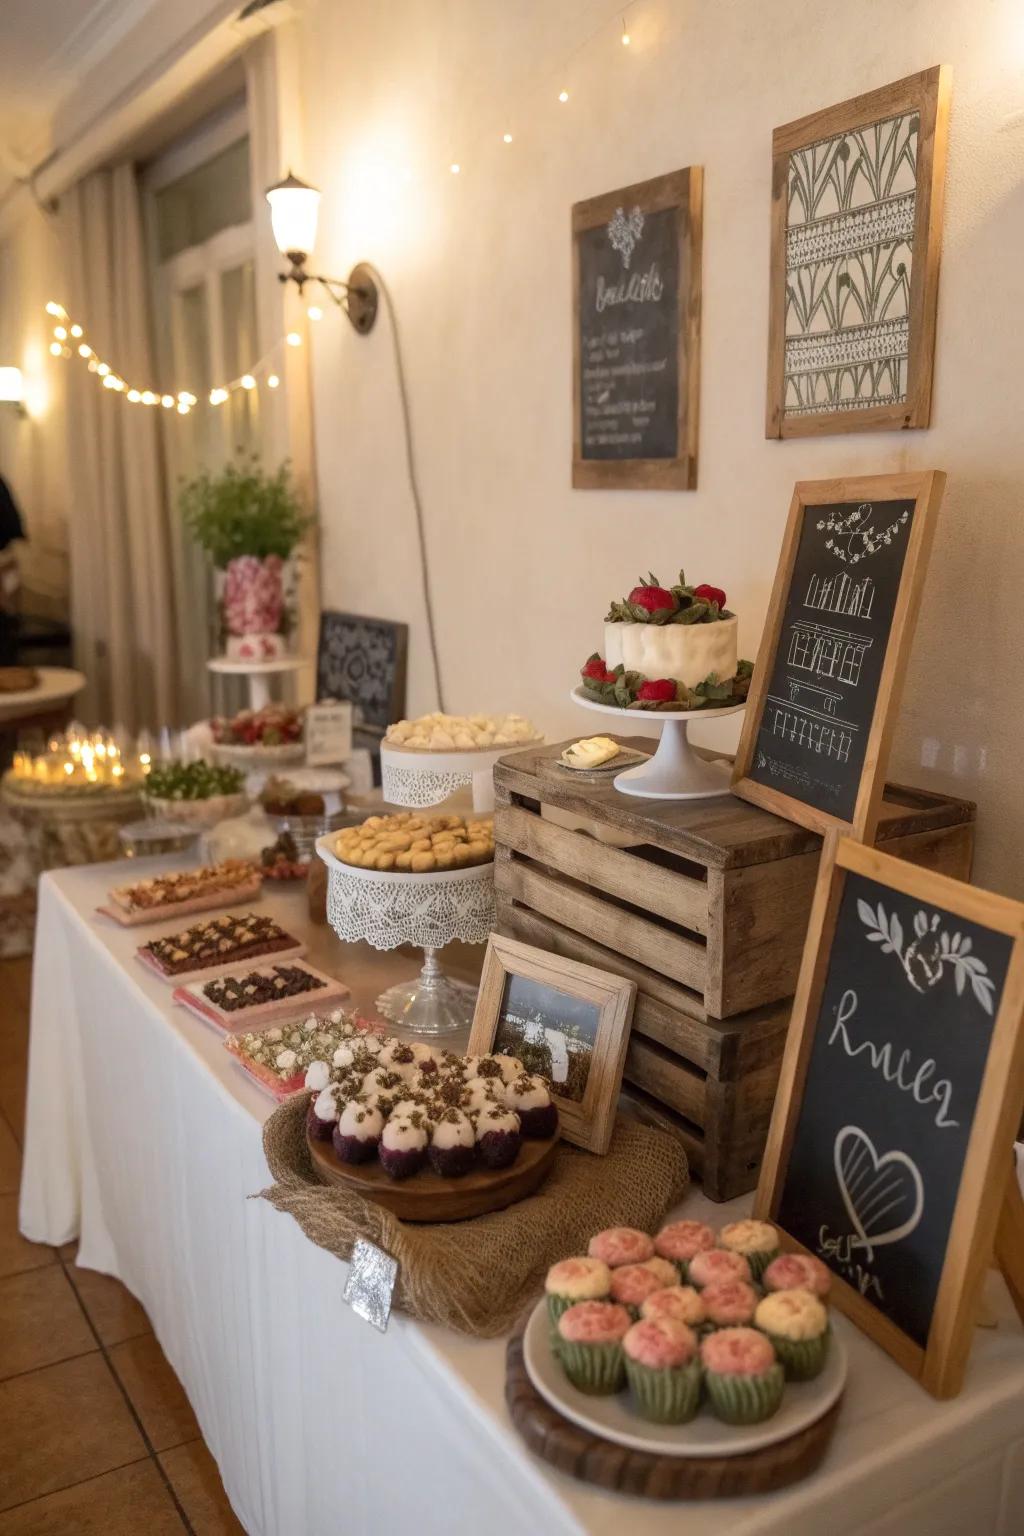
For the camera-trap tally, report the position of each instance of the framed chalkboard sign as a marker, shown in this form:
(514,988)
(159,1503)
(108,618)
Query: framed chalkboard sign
(636,335)
(830,667)
(890,1151)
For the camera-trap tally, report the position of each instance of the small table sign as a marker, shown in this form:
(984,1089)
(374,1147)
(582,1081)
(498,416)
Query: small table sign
(328,733)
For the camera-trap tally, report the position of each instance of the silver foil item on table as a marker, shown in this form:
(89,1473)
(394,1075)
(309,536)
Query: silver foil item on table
(371,1283)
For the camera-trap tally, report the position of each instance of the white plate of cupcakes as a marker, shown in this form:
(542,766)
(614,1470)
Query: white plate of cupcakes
(688,1343)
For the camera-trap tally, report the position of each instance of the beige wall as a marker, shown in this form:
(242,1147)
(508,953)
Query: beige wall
(32,458)
(523,566)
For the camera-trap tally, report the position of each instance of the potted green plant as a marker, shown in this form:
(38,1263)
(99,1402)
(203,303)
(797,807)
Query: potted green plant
(249,522)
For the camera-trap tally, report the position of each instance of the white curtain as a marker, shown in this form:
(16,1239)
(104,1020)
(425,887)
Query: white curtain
(120,536)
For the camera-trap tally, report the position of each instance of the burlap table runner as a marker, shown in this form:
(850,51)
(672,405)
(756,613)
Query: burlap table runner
(476,1276)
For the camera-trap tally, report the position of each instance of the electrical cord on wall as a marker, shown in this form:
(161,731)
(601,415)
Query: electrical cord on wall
(410,463)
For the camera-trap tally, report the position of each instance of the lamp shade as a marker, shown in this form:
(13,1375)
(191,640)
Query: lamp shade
(11,386)
(293,213)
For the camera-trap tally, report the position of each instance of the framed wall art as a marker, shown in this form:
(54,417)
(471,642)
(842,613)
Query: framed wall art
(829,672)
(855,238)
(567,1021)
(636,335)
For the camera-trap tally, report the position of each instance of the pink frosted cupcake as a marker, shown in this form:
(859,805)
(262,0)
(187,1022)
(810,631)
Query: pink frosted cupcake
(663,1370)
(529,1097)
(403,1145)
(681,1240)
(589,1346)
(757,1241)
(452,1144)
(498,1137)
(679,1302)
(574,1280)
(717,1264)
(798,1272)
(358,1132)
(621,1245)
(745,1382)
(729,1303)
(632,1284)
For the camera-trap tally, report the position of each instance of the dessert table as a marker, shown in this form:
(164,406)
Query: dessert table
(143,1139)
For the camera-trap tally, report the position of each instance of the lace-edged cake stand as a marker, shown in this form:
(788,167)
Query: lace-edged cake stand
(417,778)
(675,772)
(389,909)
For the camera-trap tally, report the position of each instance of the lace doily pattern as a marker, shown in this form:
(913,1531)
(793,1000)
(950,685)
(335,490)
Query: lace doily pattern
(427,910)
(417,787)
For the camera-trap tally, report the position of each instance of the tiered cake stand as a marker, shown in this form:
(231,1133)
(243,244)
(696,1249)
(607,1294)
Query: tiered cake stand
(390,909)
(417,778)
(258,673)
(675,772)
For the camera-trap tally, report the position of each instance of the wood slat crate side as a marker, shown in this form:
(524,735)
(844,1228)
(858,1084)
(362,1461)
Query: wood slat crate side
(759,916)
(905,810)
(664,892)
(668,1080)
(652,1113)
(679,958)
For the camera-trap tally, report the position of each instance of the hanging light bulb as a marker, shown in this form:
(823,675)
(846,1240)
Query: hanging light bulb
(149,398)
(56,348)
(293,339)
(134,396)
(85,350)
(315,312)
(184,398)
(109,382)
(247,381)
(455,168)
(60,332)
(272,381)
(218,396)
(294,208)
(563,96)
(506,138)
(54,308)
(167,401)
(183,408)
(103,369)
(76,330)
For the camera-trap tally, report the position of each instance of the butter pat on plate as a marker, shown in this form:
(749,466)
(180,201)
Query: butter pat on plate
(591,752)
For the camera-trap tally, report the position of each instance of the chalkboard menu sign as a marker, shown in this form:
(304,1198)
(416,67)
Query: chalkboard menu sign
(893,1132)
(636,260)
(831,661)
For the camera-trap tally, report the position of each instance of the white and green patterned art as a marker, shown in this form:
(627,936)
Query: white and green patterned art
(850,217)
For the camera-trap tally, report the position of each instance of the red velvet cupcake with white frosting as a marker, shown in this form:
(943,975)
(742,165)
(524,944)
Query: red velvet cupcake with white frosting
(358,1132)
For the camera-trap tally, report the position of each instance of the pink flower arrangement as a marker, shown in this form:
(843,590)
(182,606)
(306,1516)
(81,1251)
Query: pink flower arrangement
(254,595)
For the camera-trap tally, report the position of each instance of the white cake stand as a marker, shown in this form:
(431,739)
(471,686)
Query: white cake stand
(675,772)
(390,909)
(258,673)
(417,778)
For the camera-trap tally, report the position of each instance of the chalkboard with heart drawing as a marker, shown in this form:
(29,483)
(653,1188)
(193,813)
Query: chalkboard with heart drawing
(831,660)
(900,1092)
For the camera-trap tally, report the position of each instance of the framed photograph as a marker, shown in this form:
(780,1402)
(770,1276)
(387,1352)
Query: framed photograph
(829,674)
(890,1154)
(567,1021)
(636,335)
(856,232)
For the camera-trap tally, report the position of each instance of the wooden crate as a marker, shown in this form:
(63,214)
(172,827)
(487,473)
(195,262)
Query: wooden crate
(706,912)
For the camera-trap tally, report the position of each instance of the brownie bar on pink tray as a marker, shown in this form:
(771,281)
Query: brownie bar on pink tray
(201,997)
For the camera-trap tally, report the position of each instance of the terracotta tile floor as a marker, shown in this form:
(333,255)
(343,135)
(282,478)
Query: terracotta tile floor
(97,1437)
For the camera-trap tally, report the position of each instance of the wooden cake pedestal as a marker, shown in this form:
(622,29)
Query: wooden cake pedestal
(592,1460)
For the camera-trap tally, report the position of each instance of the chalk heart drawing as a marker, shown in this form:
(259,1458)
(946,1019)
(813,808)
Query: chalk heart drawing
(883,1195)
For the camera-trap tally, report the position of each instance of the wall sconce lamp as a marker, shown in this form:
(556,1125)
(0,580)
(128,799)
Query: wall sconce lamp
(12,389)
(293,214)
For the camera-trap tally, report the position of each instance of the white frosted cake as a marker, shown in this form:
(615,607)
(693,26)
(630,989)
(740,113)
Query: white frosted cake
(668,648)
(687,653)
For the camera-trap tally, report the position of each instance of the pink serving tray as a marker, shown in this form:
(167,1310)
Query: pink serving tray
(213,899)
(216,968)
(330,994)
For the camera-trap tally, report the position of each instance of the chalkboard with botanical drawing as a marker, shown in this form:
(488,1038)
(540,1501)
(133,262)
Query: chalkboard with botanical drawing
(856,228)
(363,661)
(891,1144)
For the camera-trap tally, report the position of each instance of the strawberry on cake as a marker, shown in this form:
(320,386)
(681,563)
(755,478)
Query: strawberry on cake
(668,648)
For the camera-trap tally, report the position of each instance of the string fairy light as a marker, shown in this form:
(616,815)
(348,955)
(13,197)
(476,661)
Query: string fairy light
(184,401)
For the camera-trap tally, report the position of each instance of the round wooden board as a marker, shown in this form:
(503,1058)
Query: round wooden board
(593,1460)
(427,1196)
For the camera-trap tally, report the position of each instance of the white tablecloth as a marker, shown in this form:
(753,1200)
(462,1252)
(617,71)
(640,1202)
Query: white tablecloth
(143,1138)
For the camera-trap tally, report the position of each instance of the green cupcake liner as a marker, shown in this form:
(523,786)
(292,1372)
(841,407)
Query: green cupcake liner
(665,1397)
(556,1306)
(745,1399)
(802,1359)
(597,1369)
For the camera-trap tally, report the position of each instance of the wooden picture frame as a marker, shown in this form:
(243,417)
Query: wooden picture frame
(683,191)
(859,270)
(586,1121)
(924,489)
(987,1214)
(363,661)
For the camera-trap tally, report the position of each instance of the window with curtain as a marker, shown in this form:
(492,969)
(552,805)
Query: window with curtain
(201,240)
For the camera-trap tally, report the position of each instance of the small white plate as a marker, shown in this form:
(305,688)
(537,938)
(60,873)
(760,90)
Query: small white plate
(613,1418)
